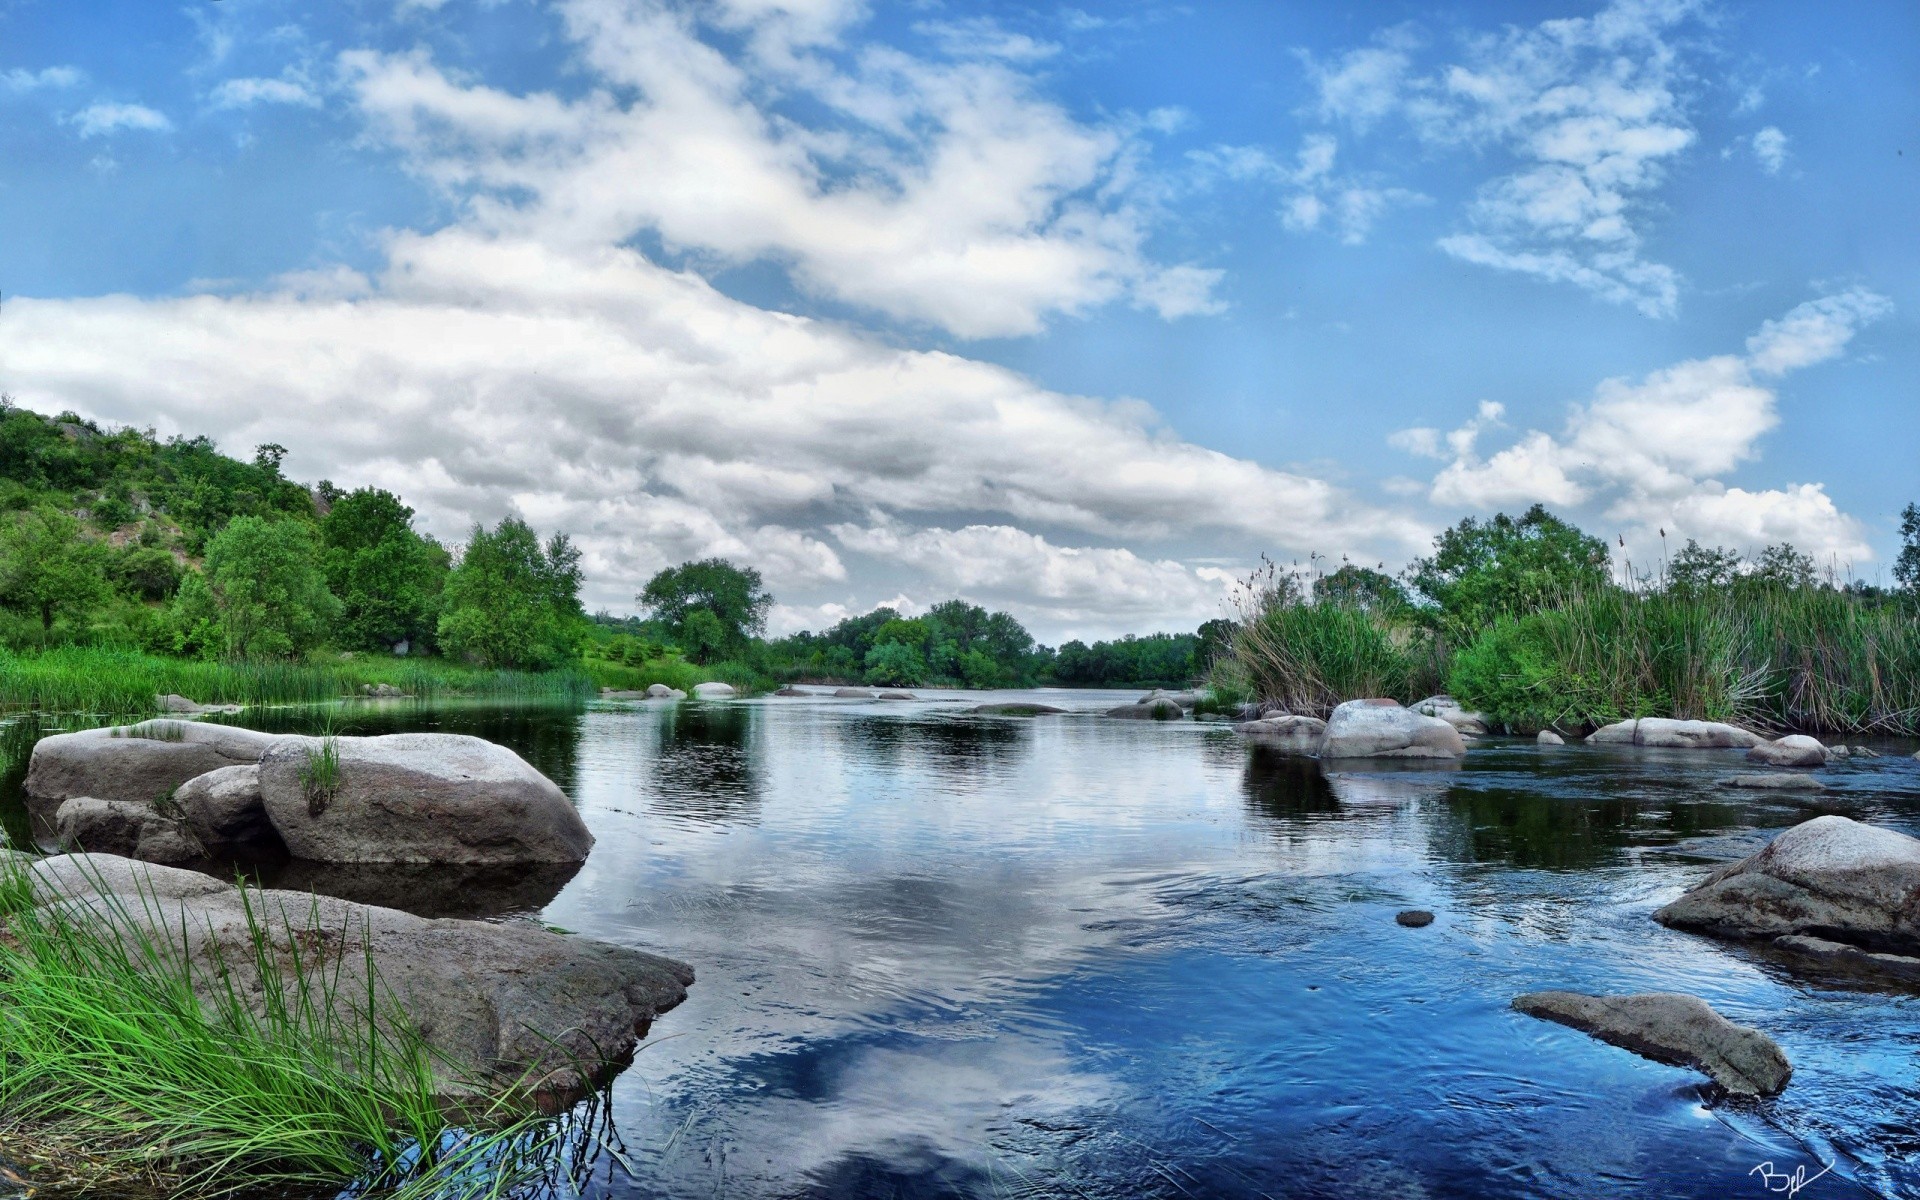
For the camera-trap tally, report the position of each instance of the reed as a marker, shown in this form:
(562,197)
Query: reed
(1309,656)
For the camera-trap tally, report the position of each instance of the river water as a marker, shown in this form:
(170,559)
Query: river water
(942,955)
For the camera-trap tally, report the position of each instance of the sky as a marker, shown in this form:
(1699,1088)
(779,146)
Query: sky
(1076,312)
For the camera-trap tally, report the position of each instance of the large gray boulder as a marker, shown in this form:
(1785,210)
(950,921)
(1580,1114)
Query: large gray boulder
(1672,1028)
(852,693)
(124,827)
(505,1006)
(1162,709)
(1794,750)
(714,691)
(1663,733)
(1470,724)
(1185,699)
(1383,729)
(1285,733)
(419,797)
(142,763)
(1829,877)
(226,813)
(1547,737)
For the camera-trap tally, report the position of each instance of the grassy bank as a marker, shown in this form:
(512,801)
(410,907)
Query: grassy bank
(108,680)
(119,1077)
(675,672)
(1812,659)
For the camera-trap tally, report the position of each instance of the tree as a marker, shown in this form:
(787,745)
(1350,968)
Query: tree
(261,593)
(1784,567)
(1362,587)
(1482,570)
(1906,568)
(512,603)
(896,663)
(48,567)
(1697,568)
(388,577)
(732,596)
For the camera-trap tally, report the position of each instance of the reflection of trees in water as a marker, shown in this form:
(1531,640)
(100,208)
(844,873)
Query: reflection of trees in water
(1281,787)
(17,736)
(960,751)
(707,765)
(1550,829)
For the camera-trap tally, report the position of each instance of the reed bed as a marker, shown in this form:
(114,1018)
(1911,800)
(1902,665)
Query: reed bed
(108,1054)
(112,680)
(1309,656)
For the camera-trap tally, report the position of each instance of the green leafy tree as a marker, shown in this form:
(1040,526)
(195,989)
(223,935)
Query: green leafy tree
(145,572)
(733,597)
(510,602)
(48,567)
(387,576)
(1363,587)
(1783,567)
(896,663)
(1482,570)
(261,593)
(1698,568)
(1906,568)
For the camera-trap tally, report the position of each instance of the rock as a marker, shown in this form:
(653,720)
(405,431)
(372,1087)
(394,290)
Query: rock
(124,827)
(1851,958)
(1865,752)
(1548,737)
(1382,729)
(1016,710)
(1661,733)
(495,1001)
(1162,709)
(1470,724)
(1830,877)
(1285,734)
(429,889)
(1775,783)
(173,702)
(143,763)
(714,691)
(1839,751)
(1794,750)
(1672,1028)
(381,691)
(1413,918)
(852,693)
(420,797)
(792,691)
(898,696)
(611,694)
(1186,699)
(226,813)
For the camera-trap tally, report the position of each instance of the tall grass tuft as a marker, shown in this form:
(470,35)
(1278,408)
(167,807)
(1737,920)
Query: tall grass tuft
(105,1046)
(1309,656)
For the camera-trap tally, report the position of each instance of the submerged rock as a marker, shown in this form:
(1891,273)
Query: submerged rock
(1285,734)
(897,696)
(714,691)
(1162,709)
(141,763)
(1673,1028)
(792,691)
(1662,733)
(852,693)
(1382,729)
(507,1007)
(1851,958)
(1829,877)
(125,827)
(1413,918)
(1548,737)
(1794,750)
(1016,710)
(624,694)
(1774,783)
(418,797)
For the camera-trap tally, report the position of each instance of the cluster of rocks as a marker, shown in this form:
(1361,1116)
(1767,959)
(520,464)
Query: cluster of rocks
(1159,705)
(381,691)
(183,791)
(1365,729)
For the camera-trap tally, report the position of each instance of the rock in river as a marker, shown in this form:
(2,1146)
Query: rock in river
(1829,877)
(1774,782)
(1548,737)
(1470,724)
(496,1001)
(1285,733)
(124,827)
(419,797)
(852,693)
(1661,733)
(1016,710)
(1162,709)
(226,813)
(1672,1028)
(141,763)
(1382,729)
(1794,750)
(714,691)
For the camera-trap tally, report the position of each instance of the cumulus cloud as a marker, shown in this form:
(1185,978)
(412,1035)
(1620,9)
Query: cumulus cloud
(96,120)
(1770,147)
(1650,449)
(1586,113)
(937,190)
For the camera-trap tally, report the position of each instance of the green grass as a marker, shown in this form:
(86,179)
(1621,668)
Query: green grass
(1311,656)
(108,680)
(1812,659)
(105,1049)
(673,671)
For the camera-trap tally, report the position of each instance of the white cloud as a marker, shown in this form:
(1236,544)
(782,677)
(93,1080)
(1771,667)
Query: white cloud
(982,37)
(1317,197)
(1651,449)
(1770,147)
(944,192)
(20,79)
(98,119)
(1587,111)
(248,92)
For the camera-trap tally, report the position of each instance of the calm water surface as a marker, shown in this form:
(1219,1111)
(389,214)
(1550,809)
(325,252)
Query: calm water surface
(953,956)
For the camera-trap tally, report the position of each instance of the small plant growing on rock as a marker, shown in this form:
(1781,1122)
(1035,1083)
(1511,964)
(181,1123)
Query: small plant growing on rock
(320,778)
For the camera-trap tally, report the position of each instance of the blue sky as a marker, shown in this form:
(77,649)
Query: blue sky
(1072,311)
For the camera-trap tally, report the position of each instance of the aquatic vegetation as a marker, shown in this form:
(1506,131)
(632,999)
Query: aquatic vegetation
(1309,656)
(108,1052)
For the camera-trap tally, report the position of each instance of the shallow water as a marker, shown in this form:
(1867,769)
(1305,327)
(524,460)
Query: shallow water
(952,956)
